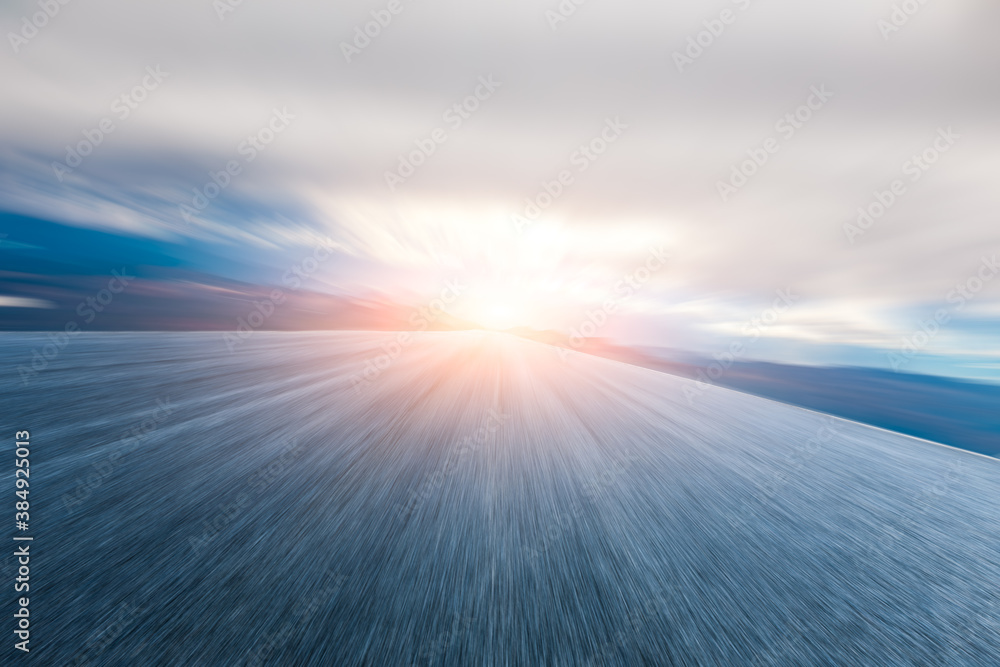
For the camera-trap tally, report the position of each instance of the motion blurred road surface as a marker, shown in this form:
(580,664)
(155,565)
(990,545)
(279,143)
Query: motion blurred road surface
(475,499)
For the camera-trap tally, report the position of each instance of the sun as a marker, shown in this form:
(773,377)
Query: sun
(499,307)
(498,316)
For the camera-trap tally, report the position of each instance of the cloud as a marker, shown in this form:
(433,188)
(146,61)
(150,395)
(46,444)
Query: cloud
(23,302)
(325,176)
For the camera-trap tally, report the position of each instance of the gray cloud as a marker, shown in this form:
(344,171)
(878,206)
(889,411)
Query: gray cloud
(686,132)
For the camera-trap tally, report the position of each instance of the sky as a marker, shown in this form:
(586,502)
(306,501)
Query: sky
(686,175)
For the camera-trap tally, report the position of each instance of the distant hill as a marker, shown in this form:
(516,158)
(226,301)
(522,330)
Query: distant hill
(959,413)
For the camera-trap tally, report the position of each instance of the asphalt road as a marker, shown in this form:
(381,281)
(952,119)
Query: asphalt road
(478,501)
